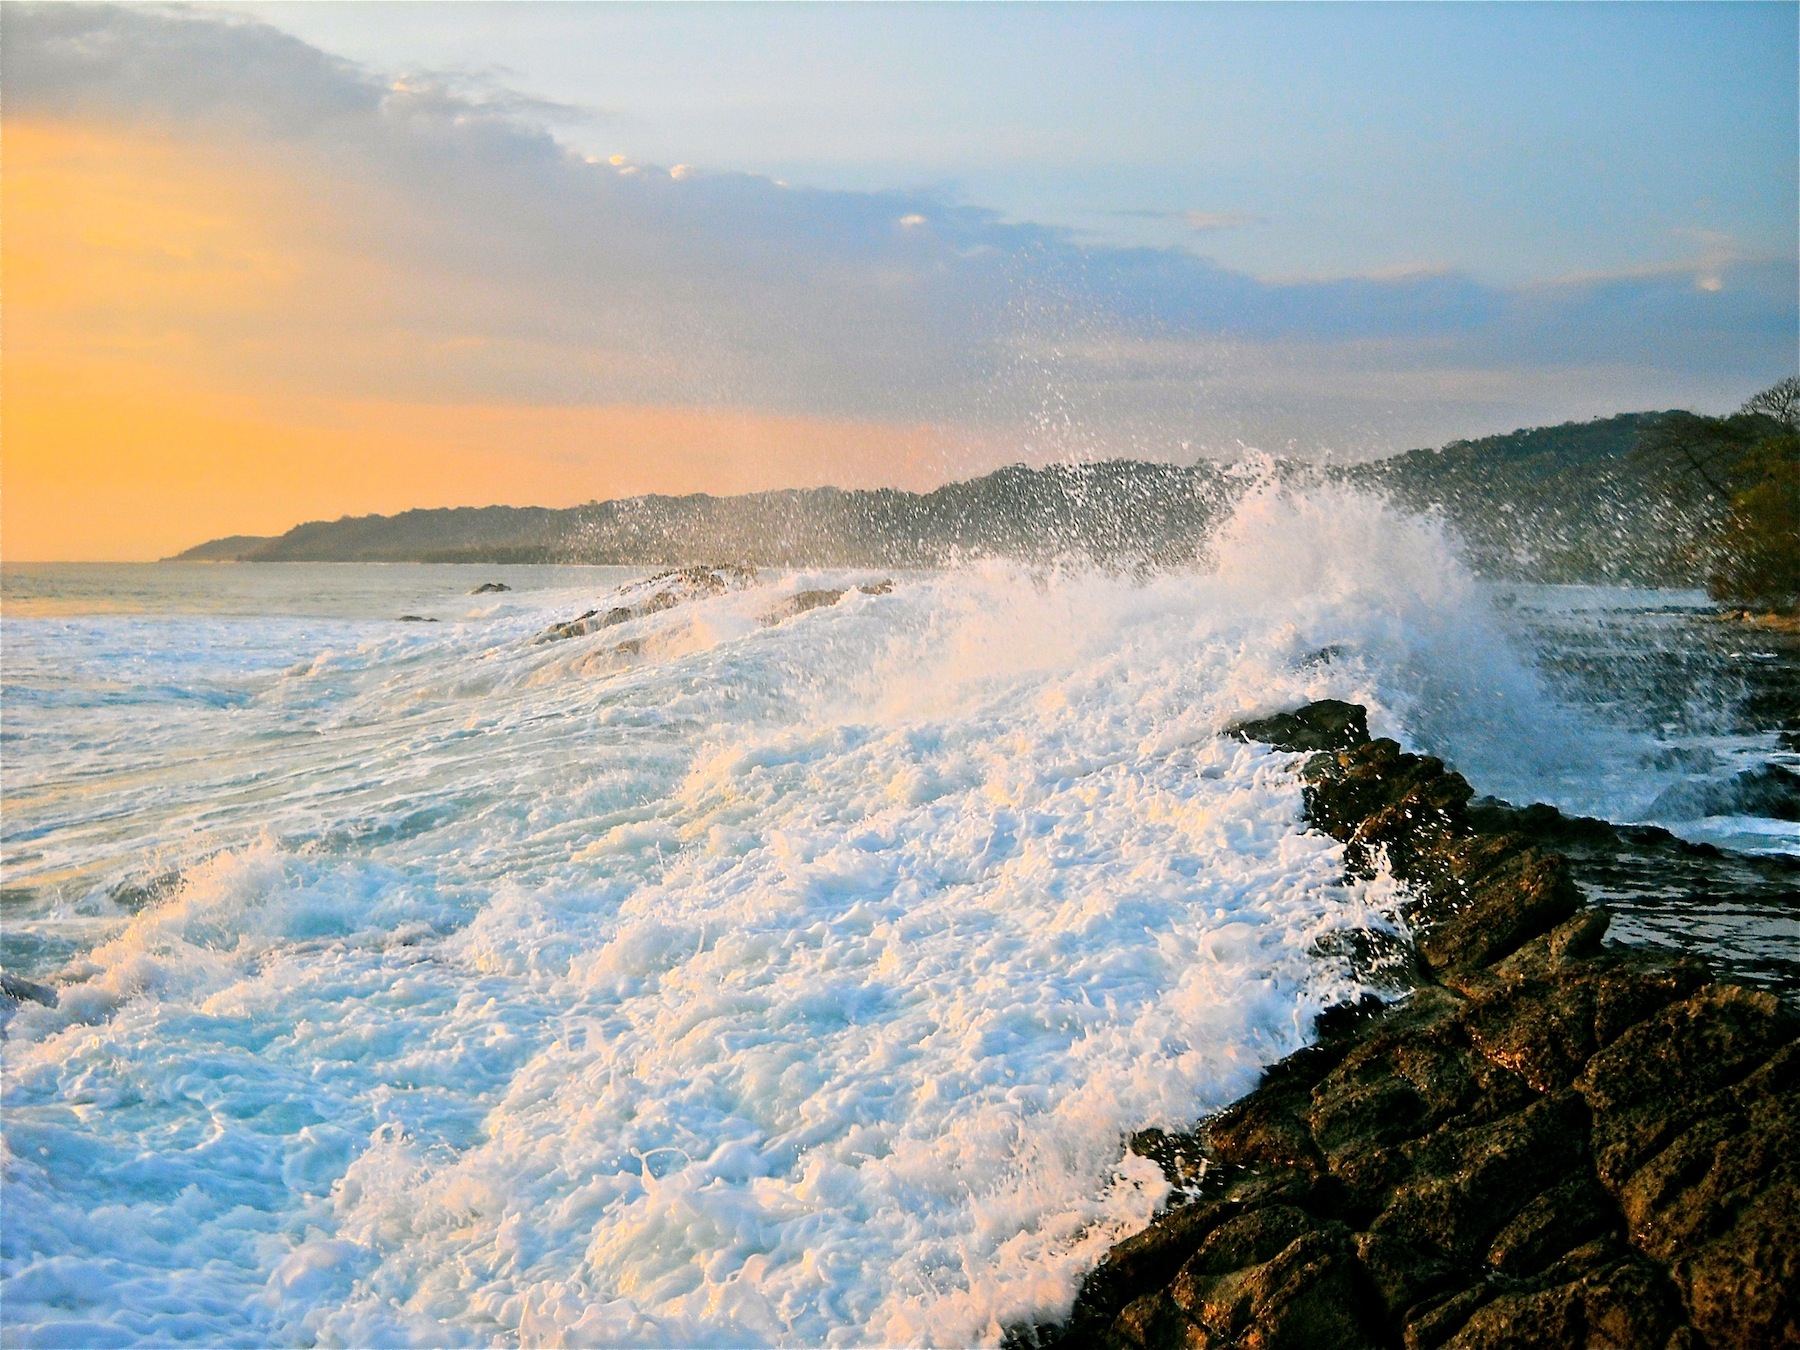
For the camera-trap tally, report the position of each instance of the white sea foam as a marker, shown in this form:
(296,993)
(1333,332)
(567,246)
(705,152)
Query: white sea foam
(774,985)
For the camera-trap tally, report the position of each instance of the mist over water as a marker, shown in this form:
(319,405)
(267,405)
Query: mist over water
(703,980)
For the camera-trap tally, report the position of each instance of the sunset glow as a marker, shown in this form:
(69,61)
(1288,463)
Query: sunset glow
(134,425)
(255,275)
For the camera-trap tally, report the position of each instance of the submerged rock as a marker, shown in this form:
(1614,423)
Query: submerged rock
(1549,1143)
(817,599)
(490,588)
(1767,790)
(19,990)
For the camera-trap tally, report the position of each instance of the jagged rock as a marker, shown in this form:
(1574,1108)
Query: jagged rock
(1661,1074)
(1549,1143)
(1307,1292)
(1325,725)
(490,588)
(1557,1221)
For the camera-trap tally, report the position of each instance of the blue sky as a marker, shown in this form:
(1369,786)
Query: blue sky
(1511,142)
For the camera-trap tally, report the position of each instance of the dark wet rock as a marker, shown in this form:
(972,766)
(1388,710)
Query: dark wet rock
(1552,1223)
(415,618)
(490,588)
(140,895)
(1672,895)
(1767,790)
(1308,1293)
(20,990)
(1325,725)
(1627,1302)
(652,595)
(1181,1157)
(1551,1141)
(1324,656)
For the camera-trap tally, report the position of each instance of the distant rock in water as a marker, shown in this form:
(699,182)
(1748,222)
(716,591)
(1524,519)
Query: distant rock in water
(415,618)
(1549,1142)
(1768,790)
(652,595)
(820,599)
(137,895)
(490,588)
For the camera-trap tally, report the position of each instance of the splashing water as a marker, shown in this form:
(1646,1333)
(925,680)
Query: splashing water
(698,981)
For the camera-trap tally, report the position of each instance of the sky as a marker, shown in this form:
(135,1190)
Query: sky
(266,263)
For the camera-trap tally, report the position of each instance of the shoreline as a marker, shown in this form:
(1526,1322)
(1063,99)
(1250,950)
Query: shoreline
(1547,1141)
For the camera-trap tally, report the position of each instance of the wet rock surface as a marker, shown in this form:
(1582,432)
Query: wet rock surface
(1740,911)
(806,601)
(1552,1141)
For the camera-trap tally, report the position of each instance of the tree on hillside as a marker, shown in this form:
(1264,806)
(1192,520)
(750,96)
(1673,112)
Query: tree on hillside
(1748,464)
(1780,401)
(1759,563)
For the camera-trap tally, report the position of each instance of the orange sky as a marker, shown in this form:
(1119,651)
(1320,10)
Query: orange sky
(169,309)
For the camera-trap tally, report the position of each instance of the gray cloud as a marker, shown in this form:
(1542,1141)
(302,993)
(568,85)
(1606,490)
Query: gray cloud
(532,274)
(1201,222)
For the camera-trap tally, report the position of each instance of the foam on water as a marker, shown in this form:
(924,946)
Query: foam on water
(788,984)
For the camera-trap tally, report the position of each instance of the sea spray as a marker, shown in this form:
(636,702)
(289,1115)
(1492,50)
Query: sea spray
(757,984)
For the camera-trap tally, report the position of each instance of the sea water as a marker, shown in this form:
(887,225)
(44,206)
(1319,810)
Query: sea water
(702,981)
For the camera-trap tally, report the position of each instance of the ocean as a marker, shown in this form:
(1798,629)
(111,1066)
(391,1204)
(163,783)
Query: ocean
(707,980)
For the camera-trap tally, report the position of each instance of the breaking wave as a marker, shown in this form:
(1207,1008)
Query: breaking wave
(702,979)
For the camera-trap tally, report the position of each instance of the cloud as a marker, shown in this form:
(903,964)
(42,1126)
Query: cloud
(1202,221)
(428,238)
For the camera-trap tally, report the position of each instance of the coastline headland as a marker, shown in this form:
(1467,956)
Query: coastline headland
(1548,1142)
(1577,502)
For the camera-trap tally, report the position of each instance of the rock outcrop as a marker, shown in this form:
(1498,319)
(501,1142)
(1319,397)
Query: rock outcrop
(1549,1142)
(652,595)
(805,601)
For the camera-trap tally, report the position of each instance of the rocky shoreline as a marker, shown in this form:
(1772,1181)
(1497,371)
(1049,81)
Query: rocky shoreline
(1549,1142)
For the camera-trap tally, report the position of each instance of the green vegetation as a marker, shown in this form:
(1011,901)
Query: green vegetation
(1569,503)
(1747,467)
